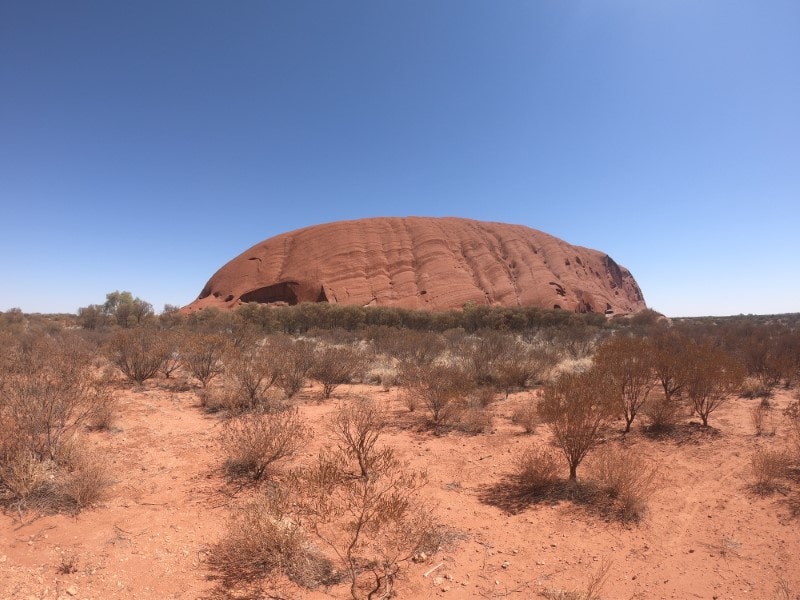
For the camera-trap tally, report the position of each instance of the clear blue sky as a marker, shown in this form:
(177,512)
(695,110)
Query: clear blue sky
(144,144)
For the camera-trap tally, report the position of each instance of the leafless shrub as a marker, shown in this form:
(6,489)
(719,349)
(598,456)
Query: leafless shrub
(263,541)
(753,387)
(293,359)
(440,388)
(537,470)
(792,414)
(662,412)
(627,479)
(769,468)
(474,418)
(783,590)
(251,373)
(48,395)
(68,564)
(356,426)
(763,421)
(335,365)
(171,342)
(526,415)
(202,355)
(713,377)
(373,524)
(138,352)
(86,480)
(590,592)
(253,442)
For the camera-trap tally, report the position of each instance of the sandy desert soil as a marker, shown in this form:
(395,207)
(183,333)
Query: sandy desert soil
(706,534)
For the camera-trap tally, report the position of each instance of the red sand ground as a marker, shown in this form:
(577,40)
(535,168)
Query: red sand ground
(705,536)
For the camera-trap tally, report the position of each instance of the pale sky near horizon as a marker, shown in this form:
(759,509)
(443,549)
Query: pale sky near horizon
(145,144)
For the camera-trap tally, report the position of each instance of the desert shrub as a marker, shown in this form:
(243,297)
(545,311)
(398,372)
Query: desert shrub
(138,353)
(251,373)
(591,591)
(625,362)
(293,359)
(85,481)
(522,365)
(669,352)
(526,415)
(473,418)
(171,341)
(356,426)
(537,469)
(713,376)
(202,355)
(662,412)
(22,475)
(263,541)
(335,365)
(372,524)
(755,388)
(440,388)
(769,468)
(627,479)
(762,419)
(792,414)
(407,345)
(575,411)
(47,394)
(253,442)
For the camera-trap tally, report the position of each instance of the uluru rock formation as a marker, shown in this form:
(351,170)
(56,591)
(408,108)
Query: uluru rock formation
(423,263)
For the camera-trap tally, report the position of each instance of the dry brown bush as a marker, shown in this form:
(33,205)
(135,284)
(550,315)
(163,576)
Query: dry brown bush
(139,353)
(335,365)
(527,416)
(626,363)
(264,541)
(769,467)
(254,441)
(662,412)
(792,414)
(442,389)
(627,479)
(202,355)
(575,411)
(86,480)
(250,373)
(47,394)
(713,376)
(761,416)
(537,470)
(293,359)
(371,525)
(356,427)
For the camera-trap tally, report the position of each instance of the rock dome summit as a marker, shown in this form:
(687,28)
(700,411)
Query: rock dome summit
(423,263)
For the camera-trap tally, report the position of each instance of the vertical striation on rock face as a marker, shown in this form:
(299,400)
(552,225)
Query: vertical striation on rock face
(423,263)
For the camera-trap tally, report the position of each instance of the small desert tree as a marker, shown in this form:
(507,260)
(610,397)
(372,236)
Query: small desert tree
(712,377)
(626,364)
(575,409)
(356,427)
